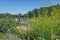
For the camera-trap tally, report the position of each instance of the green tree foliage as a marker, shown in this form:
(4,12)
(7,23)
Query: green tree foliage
(8,15)
(45,11)
(46,25)
(19,15)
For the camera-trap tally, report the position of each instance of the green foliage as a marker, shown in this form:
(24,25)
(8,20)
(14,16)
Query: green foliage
(3,36)
(6,24)
(45,24)
(44,11)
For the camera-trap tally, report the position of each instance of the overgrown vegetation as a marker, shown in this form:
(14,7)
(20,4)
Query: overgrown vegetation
(45,24)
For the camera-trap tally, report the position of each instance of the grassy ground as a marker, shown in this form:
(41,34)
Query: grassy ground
(3,37)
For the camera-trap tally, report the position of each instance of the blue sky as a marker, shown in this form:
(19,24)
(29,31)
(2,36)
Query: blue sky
(23,6)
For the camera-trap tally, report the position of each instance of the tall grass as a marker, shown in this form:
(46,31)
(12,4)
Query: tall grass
(46,27)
